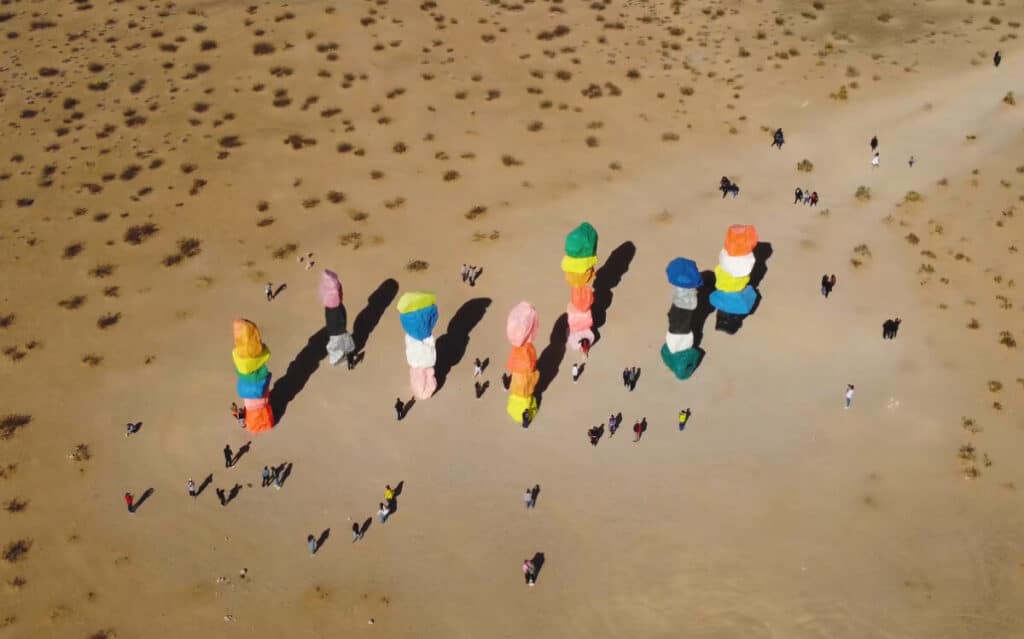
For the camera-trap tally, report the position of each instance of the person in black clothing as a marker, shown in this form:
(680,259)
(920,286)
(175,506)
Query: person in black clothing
(724,186)
(996,59)
(798,195)
(399,409)
(778,139)
(874,142)
(228,456)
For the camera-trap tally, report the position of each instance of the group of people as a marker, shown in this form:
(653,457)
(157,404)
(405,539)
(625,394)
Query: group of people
(470,273)
(828,282)
(630,376)
(890,327)
(727,186)
(805,197)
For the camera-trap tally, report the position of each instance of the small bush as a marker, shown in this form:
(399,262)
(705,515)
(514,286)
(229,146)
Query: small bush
(13,422)
(804,166)
(1006,339)
(912,196)
(994,386)
(139,233)
(912,239)
(1009,99)
(416,265)
(17,550)
(863,193)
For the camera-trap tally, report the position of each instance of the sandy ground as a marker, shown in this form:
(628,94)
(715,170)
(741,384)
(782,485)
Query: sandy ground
(376,133)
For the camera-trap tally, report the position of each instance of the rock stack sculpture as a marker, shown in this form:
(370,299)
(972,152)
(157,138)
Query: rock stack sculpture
(733,297)
(520,329)
(418,314)
(250,357)
(578,265)
(339,341)
(678,352)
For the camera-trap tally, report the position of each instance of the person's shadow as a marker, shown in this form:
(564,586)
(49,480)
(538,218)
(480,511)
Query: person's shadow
(607,278)
(406,407)
(142,499)
(284,471)
(393,506)
(280,289)
(241,451)
(287,387)
(202,486)
(237,488)
(481,388)
(538,564)
(368,318)
(451,347)
(551,357)
(366,526)
(322,539)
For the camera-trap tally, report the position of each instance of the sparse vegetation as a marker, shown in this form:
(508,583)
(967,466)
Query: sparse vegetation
(108,320)
(139,233)
(804,166)
(12,423)
(912,196)
(1009,99)
(912,238)
(15,505)
(92,360)
(416,266)
(72,250)
(80,453)
(101,271)
(475,212)
(863,193)
(16,550)
(994,386)
(1007,340)
(71,303)
(284,251)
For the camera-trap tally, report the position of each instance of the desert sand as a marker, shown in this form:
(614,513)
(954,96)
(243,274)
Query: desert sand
(163,161)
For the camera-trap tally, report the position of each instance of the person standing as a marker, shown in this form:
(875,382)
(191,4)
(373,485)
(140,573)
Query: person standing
(824,285)
(874,142)
(625,377)
(478,367)
(634,377)
(683,416)
(129,501)
(575,373)
(814,198)
(996,59)
(528,498)
(585,347)
(849,395)
(798,196)
(383,510)
(191,485)
(529,572)
(269,290)
(638,430)
(465,273)
(229,456)
(266,476)
(278,480)
(875,160)
(356,535)
(238,413)
(311,542)
(613,425)
(399,409)
(389,494)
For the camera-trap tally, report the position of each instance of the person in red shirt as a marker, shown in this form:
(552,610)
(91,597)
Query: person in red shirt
(129,500)
(585,346)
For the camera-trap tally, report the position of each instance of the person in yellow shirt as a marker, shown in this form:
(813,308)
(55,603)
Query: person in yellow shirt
(389,494)
(683,416)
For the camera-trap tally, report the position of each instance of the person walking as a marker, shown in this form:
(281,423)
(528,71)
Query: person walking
(278,479)
(911,161)
(399,409)
(389,493)
(356,535)
(383,510)
(798,196)
(129,501)
(585,347)
(478,367)
(875,160)
(849,395)
(465,273)
(613,425)
(266,476)
(191,485)
(221,496)
(996,59)
(814,198)
(625,377)
(874,142)
(778,139)
(824,285)
(528,498)
(229,456)
(638,430)
(474,272)
(575,373)
(269,290)
(529,572)
(311,542)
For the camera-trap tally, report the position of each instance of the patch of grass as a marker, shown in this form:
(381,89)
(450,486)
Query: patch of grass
(7,320)
(417,266)
(189,246)
(101,271)
(450,176)
(994,386)
(16,550)
(80,453)
(12,423)
(970,425)
(353,239)
(139,233)
(912,239)
(475,212)
(262,48)
(108,320)
(863,193)
(508,160)
(71,303)
(884,17)
(1007,340)
(669,136)
(912,196)
(284,251)
(264,221)
(804,166)
(72,250)
(16,505)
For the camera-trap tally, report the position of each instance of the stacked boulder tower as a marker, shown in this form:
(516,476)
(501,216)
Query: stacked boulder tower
(520,329)
(734,297)
(578,265)
(250,357)
(678,353)
(339,341)
(418,313)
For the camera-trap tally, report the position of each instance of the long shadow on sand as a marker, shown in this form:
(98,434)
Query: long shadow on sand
(704,307)
(369,317)
(551,357)
(607,278)
(287,387)
(451,346)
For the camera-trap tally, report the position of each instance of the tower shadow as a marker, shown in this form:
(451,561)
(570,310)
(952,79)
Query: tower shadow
(551,357)
(451,346)
(607,278)
(762,252)
(298,373)
(704,307)
(369,317)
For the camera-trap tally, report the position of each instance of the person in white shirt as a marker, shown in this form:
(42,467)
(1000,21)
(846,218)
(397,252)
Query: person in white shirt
(875,160)
(849,395)
(575,373)
(383,510)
